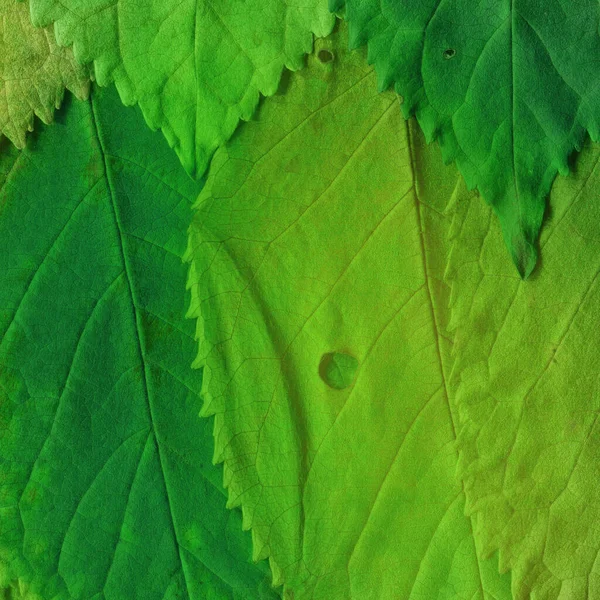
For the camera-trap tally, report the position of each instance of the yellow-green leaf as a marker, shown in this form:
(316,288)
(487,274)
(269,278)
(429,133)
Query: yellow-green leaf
(316,241)
(34,72)
(526,372)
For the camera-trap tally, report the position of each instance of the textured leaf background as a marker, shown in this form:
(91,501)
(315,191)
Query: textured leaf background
(398,413)
(106,485)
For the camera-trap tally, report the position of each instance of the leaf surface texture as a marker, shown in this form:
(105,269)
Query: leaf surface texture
(526,373)
(321,326)
(106,486)
(34,72)
(196,67)
(509,88)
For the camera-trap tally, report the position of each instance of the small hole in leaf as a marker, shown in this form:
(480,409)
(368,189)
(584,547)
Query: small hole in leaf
(449,53)
(325,56)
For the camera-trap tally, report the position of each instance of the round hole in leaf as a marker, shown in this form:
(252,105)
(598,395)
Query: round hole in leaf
(449,53)
(325,56)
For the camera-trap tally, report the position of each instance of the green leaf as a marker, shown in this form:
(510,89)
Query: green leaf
(106,486)
(526,372)
(195,67)
(318,236)
(508,88)
(34,72)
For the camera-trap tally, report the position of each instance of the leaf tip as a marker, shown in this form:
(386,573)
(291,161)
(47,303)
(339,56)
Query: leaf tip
(524,254)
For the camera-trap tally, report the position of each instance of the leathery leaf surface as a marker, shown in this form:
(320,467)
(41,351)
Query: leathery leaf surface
(526,372)
(321,326)
(107,491)
(196,67)
(509,88)
(34,72)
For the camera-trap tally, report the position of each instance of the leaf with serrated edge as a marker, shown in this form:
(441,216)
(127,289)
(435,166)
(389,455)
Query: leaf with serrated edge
(509,88)
(106,485)
(196,67)
(34,72)
(527,359)
(309,245)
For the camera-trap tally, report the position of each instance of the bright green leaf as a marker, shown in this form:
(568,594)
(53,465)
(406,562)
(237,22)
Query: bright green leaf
(195,67)
(509,88)
(319,234)
(527,365)
(106,486)
(34,72)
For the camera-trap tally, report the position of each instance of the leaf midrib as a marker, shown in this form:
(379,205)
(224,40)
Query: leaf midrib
(512,109)
(437,333)
(140,338)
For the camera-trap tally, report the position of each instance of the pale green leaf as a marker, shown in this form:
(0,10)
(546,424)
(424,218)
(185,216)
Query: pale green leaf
(320,238)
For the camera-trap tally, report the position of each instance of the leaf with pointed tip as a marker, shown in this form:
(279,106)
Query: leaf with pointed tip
(321,319)
(106,486)
(527,358)
(196,67)
(508,88)
(34,72)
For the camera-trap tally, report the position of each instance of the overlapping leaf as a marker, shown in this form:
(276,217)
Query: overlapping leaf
(509,88)
(527,364)
(317,253)
(34,72)
(316,281)
(195,67)
(106,486)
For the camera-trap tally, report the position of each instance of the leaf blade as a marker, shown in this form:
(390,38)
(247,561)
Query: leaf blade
(195,68)
(530,443)
(107,487)
(509,106)
(306,242)
(34,73)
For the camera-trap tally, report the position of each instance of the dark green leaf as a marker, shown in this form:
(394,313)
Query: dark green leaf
(107,490)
